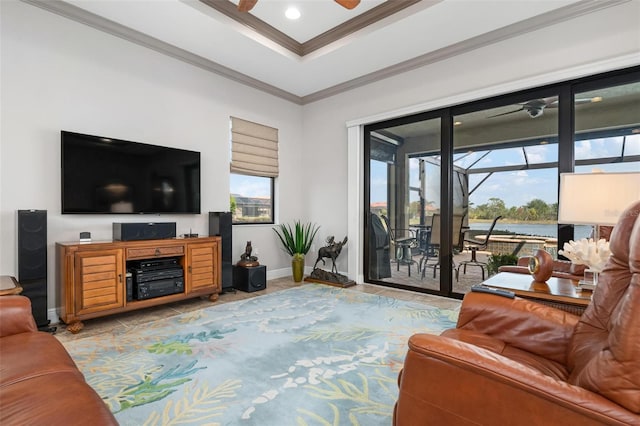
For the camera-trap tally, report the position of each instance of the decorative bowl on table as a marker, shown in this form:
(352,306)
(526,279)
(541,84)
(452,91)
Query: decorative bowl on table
(541,266)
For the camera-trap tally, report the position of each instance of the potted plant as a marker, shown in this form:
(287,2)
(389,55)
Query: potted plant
(497,260)
(297,242)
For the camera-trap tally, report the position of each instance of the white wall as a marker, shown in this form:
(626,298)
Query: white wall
(57,74)
(556,53)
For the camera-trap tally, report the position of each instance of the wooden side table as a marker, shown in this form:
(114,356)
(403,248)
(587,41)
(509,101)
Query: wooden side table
(9,285)
(559,293)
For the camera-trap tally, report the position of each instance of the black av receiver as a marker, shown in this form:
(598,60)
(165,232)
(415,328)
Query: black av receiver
(142,276)
(154,264)
(157,288)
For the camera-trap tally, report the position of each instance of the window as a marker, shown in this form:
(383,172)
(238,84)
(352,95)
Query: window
(607,134)
(251,199)
(254,167)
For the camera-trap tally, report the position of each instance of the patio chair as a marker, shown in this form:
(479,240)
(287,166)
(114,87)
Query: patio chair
(473,246)
(404,241)
(433,245)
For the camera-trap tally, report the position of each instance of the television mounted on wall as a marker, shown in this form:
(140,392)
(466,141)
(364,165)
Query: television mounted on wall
(112,176)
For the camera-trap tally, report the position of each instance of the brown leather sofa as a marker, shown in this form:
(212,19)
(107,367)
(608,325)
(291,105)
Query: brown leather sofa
(561,268)
(515,362)
(39,382)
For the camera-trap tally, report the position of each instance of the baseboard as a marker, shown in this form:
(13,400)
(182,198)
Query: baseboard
(278,273)
(53,314)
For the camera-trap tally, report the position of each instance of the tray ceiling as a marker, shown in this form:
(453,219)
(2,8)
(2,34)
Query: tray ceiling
(329,49)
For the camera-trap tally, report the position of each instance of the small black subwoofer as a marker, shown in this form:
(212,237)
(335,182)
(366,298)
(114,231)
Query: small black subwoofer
(143,231)
(32,261)
(250,279)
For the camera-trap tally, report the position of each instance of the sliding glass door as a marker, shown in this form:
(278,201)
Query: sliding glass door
(452,194)
(607,130)
(403,196)
(507,156)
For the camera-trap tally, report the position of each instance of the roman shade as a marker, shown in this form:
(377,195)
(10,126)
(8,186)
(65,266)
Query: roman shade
(254,148)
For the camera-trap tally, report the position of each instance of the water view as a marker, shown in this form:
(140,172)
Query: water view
(538,229)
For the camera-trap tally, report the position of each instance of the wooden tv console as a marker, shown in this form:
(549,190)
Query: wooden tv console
(91,277)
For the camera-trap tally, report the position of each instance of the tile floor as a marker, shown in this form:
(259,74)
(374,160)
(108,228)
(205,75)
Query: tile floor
(473,274)
(122,321)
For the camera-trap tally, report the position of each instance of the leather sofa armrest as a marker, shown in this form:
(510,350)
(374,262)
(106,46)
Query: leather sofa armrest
(514,268)
(525,270)
(445,381)
(15,315)
(524,324)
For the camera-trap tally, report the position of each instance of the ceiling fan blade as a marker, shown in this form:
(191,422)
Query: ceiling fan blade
(348,4)
(535,107)
(505,113)
(553,102)
(246,5)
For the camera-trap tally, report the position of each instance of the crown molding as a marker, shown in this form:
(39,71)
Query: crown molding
(349,27)
(82,16)
(532,24)
(579,71)
(230,10)
(541,21)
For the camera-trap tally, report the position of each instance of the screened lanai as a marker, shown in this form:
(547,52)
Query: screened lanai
(503,159)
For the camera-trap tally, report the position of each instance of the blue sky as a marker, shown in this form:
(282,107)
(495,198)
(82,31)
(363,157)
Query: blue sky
(249,186)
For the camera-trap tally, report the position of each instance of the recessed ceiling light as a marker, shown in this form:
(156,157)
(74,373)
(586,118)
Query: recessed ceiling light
(292,13)
(457,123)
(597,99)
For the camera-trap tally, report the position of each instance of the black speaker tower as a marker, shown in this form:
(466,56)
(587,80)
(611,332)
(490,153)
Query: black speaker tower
(220,225)
(32,261)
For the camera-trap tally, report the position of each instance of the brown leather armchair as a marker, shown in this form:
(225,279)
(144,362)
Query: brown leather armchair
(39,382)
(516,362)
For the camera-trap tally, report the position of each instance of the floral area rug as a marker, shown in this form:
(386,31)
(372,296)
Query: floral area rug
(309,355)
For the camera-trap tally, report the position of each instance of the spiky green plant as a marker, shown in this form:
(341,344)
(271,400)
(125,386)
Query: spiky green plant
(297,240)
(497,260)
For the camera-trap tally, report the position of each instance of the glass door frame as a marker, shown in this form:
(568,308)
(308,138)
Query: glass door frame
(445,129)
(566,156)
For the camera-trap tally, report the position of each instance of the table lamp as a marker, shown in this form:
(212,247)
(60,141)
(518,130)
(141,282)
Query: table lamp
(596,198)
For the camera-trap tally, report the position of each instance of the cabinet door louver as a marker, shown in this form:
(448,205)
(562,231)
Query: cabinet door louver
(202,272)
(99,280)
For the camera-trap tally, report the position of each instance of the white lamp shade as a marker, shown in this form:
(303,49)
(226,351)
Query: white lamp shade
(596,198)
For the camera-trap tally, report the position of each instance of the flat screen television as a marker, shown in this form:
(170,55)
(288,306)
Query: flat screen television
(106,175)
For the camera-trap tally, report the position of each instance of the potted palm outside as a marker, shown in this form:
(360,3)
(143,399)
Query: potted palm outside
(297,242)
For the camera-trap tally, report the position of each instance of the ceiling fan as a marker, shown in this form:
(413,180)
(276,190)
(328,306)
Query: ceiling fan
(535,107)
(247,5)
